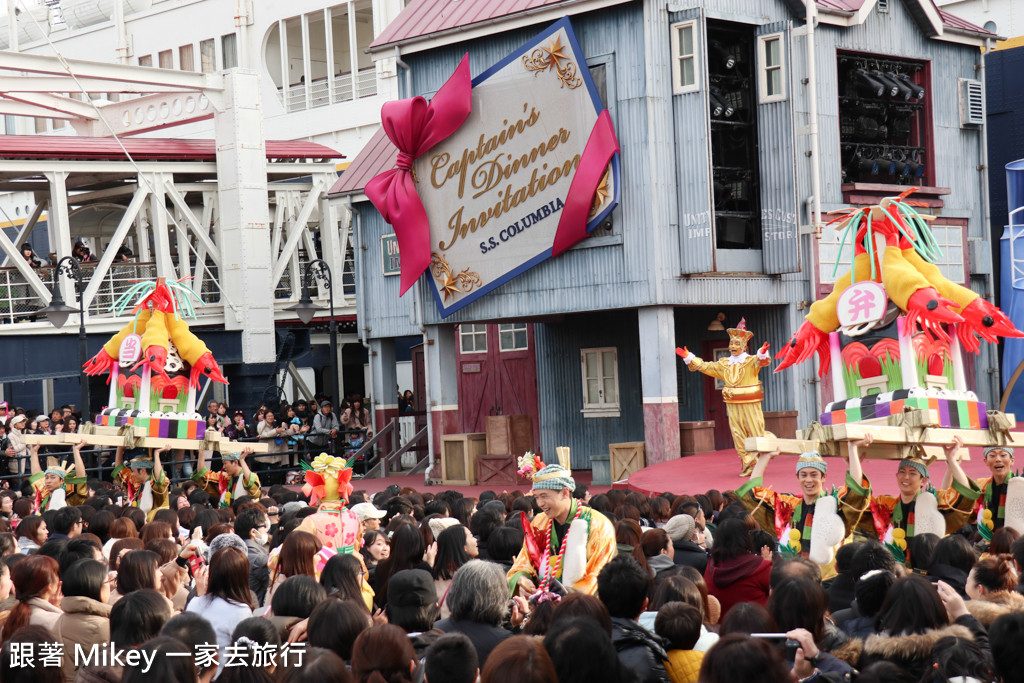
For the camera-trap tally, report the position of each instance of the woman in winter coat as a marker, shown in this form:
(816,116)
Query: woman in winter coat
(990,586)
(86,618)
(37,585)
(913,618)
(735,574)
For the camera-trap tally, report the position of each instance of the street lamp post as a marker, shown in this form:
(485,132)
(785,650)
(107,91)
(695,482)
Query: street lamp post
(305,309)
(58,311)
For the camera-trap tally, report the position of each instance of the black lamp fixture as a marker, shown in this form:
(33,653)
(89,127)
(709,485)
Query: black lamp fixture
(306,309)
(868,84)
(57,313)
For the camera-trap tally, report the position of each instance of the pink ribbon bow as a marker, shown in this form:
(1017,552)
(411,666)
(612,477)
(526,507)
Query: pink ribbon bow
(414,126)
(597,154)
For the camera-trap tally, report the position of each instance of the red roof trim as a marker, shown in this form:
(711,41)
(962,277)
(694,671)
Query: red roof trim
(377,156)
(144,149)
(423,18)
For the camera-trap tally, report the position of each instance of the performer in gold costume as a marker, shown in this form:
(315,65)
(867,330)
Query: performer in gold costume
(743,392)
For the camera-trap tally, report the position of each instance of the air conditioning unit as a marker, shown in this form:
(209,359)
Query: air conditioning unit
(972,103)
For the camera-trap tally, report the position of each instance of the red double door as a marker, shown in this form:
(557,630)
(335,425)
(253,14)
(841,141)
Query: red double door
(714,405)
(497,367)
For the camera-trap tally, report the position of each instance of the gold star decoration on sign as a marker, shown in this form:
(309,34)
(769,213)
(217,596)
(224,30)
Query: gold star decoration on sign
(555,58)
(602,193)
(450,282)
(556,52)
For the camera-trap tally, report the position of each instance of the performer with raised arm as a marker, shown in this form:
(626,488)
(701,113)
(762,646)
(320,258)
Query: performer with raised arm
(54,488)
(812,523)
(234,479)
(995,490)
(919,508)
(566,542)
(742,392)
(143,478)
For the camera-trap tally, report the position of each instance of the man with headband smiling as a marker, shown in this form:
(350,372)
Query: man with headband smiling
(809,523)
(143,478)
(994,489)
(566,542)
(54,488)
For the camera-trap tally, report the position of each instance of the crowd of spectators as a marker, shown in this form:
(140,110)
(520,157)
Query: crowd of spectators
(697,592)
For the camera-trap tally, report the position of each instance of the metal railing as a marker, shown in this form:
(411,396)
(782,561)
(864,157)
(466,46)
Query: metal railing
(386,463)
(99,460)
(320,93)
(19,303)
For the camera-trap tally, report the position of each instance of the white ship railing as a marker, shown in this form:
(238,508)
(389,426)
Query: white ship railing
(319,93)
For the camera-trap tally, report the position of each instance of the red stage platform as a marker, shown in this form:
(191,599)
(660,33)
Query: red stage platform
(721,470)
(698,473)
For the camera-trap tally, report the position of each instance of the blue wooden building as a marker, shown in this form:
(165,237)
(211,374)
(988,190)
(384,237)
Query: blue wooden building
(729,144)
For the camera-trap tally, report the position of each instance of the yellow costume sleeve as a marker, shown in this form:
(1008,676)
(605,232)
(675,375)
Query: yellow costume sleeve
(208,481)
(823,313)
(705,367)
(961,296)
(855,501)
(601,549)
(159,486)
(956,504)
(253,487)
(77,494)
(760,502)
(522,565)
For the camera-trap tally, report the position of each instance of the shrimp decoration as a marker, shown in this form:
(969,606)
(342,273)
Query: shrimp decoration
(905,268)
(167,342)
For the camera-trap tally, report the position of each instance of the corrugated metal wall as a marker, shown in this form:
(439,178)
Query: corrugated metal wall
(560,384)
(777,154)
(383,311)
(693,160)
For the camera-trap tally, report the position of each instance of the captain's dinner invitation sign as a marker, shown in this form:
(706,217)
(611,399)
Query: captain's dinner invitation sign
(496,175)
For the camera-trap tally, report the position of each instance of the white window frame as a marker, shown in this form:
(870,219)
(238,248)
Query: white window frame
(953,270)
(678,87)
(603,408)
(513,328)
(763,68)
(470,330)
(951,235)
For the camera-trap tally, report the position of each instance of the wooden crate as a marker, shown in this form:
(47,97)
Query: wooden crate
(458,457)
(781,423)
(510,434)
(696,437)
(498,469)
(626,458)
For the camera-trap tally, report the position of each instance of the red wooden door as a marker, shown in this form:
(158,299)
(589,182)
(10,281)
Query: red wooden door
(714,406)
(419,382)
(497,374)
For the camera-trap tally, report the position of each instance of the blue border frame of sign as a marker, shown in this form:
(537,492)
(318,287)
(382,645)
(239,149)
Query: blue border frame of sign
(616,171)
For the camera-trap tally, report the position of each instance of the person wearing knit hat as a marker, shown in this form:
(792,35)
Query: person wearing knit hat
(792,517)
(54,488)
(234,480)
(916,510)
(999,460)
(566,542)
(143,478)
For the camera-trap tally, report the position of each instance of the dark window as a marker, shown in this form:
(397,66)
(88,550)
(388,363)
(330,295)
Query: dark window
(883,111)
(599,72)
(734,160)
